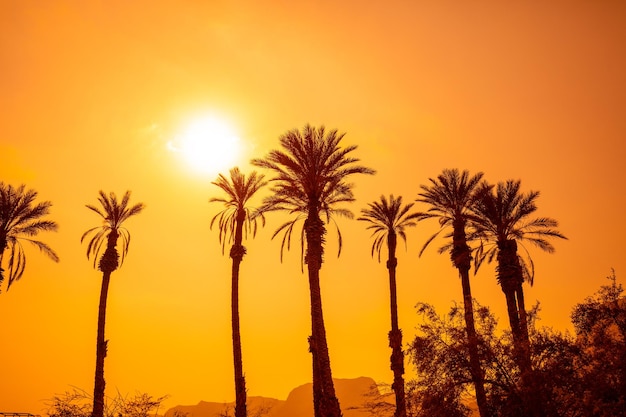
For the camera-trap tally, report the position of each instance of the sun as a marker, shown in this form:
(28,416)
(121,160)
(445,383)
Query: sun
(208,145)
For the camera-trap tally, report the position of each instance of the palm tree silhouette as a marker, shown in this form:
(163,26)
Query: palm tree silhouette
(114,213)
(502,224)
(20,221)
(451,196)
(231,223)
(312,170)
(388,220)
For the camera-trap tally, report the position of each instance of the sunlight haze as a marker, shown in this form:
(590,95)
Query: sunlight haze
(208,144)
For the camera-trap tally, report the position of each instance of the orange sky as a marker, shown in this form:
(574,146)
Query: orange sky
(93,91)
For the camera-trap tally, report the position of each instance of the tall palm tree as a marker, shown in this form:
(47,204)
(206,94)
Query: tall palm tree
(451,196)
(502,223)
(20,221)
(311,180)
(114,213)
(231,221)
(388,220)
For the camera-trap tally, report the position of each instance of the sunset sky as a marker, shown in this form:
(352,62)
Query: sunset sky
(98,94)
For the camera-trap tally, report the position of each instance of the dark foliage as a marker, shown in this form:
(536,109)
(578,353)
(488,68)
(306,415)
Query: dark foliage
(571,377)
(600,324)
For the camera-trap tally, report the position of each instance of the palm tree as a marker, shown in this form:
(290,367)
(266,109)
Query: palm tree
(114,213)
(231,223)
(502,224)
(312,172)
(20,221)
(388,220)
(451,196)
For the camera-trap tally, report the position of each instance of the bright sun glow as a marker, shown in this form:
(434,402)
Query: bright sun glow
(208,145)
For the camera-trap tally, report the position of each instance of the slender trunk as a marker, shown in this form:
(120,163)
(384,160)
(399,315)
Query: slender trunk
(532,395)
(395,335)
(3,247)
(461,258)
(325,402)
(514,323)
(523,320)
(236,253)
(3,244)
(510,279)
(108,264)
(101,349)
(317,386)
(472,338)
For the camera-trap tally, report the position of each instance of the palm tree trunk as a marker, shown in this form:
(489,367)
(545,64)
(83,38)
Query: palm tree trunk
(472,338)
(108,264)
(236,253)
(101,349)
(510,278)
(325,402)
(532,394)
(461,258)
(395,335)
(3,247)
(514,322)
(317,387)
(523,322)
(240,382)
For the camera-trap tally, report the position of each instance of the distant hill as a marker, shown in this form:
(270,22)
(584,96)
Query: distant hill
(352,394)
(256,405)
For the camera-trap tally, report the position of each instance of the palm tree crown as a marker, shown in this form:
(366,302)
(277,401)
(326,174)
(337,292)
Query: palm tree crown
(450,198)
(20,221)
(502,215)
(311,177)
(239,191)
(388,217)
(114,213)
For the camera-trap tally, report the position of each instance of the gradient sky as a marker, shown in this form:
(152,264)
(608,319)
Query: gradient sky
(91,93)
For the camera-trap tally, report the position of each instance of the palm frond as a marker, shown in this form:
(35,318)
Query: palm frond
(43,247)
(430,239)
(21,220)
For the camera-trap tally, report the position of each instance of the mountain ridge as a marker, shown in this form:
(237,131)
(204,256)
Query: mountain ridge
(353,394)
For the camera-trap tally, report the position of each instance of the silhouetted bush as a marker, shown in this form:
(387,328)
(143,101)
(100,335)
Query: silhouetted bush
(78,403)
